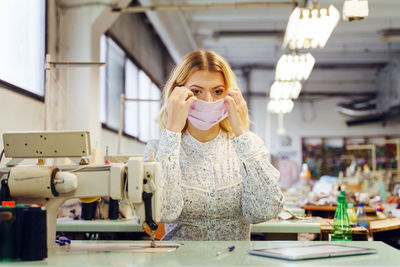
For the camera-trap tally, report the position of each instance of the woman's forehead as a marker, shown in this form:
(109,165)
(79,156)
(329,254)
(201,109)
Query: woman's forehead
(206,79)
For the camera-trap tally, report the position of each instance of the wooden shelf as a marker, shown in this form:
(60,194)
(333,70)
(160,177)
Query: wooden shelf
(333,208)
(384,225)
(329,156)
(358,232)
(329,211)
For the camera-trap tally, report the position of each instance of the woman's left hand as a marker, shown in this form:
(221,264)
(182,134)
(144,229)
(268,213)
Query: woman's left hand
(237,110)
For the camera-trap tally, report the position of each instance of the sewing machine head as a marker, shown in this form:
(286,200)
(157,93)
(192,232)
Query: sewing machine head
(135,182)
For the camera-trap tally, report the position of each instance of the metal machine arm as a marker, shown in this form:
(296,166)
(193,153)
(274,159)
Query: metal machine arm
(51,186)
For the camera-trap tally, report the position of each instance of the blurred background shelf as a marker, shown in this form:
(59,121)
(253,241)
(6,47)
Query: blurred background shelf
(329,156)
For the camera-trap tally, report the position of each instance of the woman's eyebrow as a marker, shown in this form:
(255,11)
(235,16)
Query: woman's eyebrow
(195,85)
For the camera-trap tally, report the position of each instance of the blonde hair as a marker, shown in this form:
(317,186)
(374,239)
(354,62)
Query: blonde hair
(197,60)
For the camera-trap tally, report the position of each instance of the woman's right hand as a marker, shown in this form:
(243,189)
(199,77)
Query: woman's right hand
(178,106)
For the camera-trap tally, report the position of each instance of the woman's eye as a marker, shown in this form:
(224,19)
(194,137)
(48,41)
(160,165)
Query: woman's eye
(195,91)
(219,92)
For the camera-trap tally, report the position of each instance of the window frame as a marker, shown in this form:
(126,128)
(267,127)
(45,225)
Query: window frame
(139,67)
(25,92)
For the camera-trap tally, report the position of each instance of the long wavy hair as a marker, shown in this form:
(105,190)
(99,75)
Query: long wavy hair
(197,60)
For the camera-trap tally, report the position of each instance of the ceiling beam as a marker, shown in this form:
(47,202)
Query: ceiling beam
(376,65)
(173,31)
(141,9)
(318,94)
(247,34)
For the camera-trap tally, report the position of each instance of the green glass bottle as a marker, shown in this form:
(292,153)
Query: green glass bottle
(341,229)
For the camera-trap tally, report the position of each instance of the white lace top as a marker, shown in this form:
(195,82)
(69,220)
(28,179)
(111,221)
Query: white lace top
(214,190)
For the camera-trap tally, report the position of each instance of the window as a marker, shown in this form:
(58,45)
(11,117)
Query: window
(22,51)
(103,58)
(148,110)
(132,108)
(155,93)
(122,76)
(144,107)
(114,83)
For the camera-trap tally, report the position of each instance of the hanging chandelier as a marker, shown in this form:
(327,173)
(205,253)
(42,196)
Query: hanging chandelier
(310,28)
(295,67)
(280,106)
(285,90)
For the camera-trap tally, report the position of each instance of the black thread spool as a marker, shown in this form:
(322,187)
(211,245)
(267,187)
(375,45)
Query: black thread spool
(88,210)
(34,234)
(7,245)
(18,229)
(113,209)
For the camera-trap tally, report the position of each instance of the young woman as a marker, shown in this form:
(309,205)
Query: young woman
(216,177)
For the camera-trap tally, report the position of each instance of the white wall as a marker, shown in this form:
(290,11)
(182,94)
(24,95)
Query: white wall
(75,95)
(77,99)
(19,113)
(27,114)
(128,146)
(75,92)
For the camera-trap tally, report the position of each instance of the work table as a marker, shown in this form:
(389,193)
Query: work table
(203,253)
(309,225)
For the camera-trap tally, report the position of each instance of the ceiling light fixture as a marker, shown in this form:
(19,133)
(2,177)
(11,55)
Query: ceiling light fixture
(285,90)
(280,106)
(355,9)
(295,67)
(310,28)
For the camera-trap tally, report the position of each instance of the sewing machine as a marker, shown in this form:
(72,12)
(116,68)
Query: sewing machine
(135,182)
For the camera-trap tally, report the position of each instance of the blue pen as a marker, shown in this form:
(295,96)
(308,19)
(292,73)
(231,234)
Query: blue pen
(62,240)
(228,249)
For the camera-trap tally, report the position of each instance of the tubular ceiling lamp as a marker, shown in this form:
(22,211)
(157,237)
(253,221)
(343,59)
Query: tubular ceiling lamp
(310,28)
(285,90)
(295,67)
(280,106)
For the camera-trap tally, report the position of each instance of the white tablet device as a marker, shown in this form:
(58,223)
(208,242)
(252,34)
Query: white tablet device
(311,251)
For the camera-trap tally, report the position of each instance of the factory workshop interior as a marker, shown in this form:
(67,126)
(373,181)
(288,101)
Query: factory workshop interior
(200,132)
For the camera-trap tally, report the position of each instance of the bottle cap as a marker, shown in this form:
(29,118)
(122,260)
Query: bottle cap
(361,204)
(10,204)
(350,205)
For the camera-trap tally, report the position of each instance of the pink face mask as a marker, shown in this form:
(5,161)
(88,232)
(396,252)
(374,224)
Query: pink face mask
(204,115)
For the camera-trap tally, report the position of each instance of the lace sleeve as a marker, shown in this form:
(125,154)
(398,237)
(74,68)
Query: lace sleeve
(168,156)
(150,151)
(262,198)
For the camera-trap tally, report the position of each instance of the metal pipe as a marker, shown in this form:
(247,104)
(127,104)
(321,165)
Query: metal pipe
(187,30)
(75,64)
(121,121)
(122,115)
(48,67)
(141,100)
(281,128)
(141,9)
